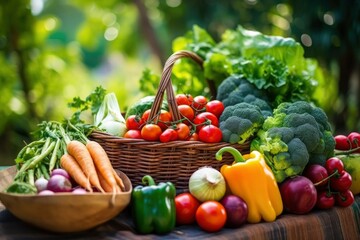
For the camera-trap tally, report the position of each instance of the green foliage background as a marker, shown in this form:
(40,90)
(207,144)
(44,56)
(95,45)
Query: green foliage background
(52,51)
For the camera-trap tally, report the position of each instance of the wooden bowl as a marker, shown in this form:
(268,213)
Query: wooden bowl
(67,212)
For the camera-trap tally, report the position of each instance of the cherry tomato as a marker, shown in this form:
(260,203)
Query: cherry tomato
(216,107)
(325,200)
(205,118)
(199,103)
(341,183)
(151,132)
(134,122)
(211,216)
(354,138)
(183,131)
(210,134)
(132,133)
(333,164)
(186,206)
(145,116)
(342,142)
(182,98)
(187,112)
(168,135)
(344,199)
(164,119)
(194,137)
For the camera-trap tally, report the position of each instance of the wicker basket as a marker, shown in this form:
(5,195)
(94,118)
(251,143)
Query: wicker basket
(172,161)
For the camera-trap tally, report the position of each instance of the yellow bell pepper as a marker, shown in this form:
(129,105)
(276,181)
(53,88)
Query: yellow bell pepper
(250,178)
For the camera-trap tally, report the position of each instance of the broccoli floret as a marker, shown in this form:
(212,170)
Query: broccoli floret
(305,128)
(284,133)
(264,106)
(285,154)
(293,138)
(240,122)
(233,90)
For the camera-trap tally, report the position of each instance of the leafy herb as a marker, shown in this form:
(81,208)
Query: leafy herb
(92,102)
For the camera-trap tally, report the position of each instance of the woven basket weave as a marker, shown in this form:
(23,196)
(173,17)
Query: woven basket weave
(172,161)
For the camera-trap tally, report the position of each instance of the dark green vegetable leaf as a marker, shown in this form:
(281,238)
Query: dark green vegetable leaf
(21,187)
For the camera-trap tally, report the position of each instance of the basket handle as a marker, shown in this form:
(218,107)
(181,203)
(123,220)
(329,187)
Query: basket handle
(165,84)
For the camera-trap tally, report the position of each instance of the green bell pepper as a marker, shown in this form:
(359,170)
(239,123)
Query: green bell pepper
(153,207)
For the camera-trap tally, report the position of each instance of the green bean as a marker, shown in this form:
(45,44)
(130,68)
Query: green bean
(38,173)
(46,145)
(44,171)
(32,144)
(54,155)
(31,176)
(40,157)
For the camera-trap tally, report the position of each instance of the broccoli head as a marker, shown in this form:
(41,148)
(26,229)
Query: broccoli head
(284,153)
(240,122)
(297,134)
(234,90)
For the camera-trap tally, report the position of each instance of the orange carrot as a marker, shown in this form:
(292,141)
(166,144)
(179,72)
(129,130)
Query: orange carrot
(69,164)
(102,163)
(119,181)
(79,151)
(105,185)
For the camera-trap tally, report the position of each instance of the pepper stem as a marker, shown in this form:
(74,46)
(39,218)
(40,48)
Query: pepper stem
(148,180)
(236,154)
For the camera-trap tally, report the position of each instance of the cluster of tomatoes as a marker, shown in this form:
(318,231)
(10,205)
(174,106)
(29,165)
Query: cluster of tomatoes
(332,183)
(199,122)
(348,142)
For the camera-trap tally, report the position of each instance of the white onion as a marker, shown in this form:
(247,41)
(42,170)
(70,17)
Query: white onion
(206,184)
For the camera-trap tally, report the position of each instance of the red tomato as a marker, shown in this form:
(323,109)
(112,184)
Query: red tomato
(211,216)
(145,116)
(132,133)
(344,199)
(164,119)
(216,107)
(333,164)
(194,137)
(182,98)
(325,200)
(151,132)
(186,112)
(341,183)
(134,122)
(168,135)
(186,206)
(342,142)
(199,103)
(210,134)
(183,131)
(354,138)
(205,118)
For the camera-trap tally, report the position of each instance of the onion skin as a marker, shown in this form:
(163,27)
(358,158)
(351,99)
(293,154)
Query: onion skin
(236,210)
(207,184)
(59,183)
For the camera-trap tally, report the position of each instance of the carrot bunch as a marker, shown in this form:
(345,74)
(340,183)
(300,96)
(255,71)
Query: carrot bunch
(89,165)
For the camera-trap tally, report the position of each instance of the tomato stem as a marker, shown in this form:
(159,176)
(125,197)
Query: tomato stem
(336,172)
(346,152)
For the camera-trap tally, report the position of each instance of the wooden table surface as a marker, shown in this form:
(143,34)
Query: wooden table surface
(337,223)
